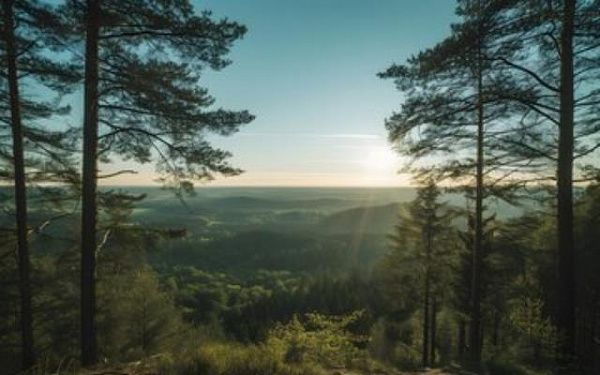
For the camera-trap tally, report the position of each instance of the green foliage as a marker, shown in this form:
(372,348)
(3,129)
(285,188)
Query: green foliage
(395,343)
(48,151)
(137,317)
(151,106)
(299,251)
(320,339)
(423,245)
(244,319)
(304,346)
(536,333)
(248,307)
(236,359)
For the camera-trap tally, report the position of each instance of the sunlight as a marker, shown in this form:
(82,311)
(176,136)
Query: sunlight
(380,158)
(299,187)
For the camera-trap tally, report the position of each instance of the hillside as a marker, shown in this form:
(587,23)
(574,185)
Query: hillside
(367,220)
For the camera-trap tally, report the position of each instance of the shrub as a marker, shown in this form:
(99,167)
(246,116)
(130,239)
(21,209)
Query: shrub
(237,359)
(325,340)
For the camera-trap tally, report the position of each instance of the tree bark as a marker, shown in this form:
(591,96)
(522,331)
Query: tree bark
(89,187)
(26,314)
(461,339)
(475,323)
(425,349)
(428,239)
(496,332)
(566,266)
(432,347)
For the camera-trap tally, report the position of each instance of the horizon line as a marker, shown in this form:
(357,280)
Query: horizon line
(272,186)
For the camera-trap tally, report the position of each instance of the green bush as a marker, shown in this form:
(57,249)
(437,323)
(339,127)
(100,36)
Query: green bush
(396,343)
(317,339)
(303,346)
(237,359)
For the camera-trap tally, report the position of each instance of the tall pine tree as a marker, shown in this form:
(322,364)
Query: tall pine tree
(142,101)
(29,31)
(552,49)
(450,121)
(536,55)
(423,243)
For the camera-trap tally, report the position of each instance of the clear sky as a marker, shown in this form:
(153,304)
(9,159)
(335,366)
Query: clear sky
(307,70)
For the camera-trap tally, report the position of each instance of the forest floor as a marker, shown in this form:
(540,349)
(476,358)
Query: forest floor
(393,372)
(146,371)
(150,368)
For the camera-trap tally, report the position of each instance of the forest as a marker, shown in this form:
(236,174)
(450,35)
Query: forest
(486,264)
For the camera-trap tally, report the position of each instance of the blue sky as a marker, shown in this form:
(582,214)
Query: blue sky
(307,70)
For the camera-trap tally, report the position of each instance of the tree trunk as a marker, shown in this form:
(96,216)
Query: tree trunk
(475,324)
(428,239)
(26,314)
(461,339)
(89,185)
(434,307)
(496,332)
(566,266)
(425,349)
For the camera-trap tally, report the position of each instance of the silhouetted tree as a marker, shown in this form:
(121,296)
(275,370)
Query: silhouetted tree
(20,193)
(551,48)
(142,101)
(29,30)
(449,112)
(422,245)
(533,55)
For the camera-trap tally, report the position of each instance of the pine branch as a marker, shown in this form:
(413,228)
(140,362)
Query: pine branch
(528,72)
(118,173)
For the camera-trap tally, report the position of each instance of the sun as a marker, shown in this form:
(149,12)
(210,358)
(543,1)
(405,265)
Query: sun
(380,158)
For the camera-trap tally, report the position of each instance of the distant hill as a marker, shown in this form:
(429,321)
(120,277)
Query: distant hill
(252,203)
(367,220)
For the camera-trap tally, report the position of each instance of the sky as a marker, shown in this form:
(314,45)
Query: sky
(307,70)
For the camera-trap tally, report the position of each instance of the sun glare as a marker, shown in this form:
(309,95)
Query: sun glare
(380,158)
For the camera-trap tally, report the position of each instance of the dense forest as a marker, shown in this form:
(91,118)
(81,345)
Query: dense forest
(489,265)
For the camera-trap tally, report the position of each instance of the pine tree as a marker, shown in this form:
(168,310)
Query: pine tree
(450,112)
(534,55)
(29,29)
(20,192)
(142,101)
(422,246)
(551,48)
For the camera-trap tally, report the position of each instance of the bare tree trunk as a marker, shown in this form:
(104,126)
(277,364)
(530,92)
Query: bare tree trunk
(89,186)
(26,314)
(496,332)
(428,239)
(475,324)
(461,339)
(144,328)
(425,349)
(566,266)
(434,308)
